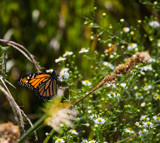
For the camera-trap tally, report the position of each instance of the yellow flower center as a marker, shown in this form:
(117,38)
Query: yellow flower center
(148,123)
(87,81)
(158,96)
(60,57)
(130,129)
(67,52)
(118,95)
(113,93)
(144,118)
(62,75)
(124,28)
(146,85)
(73,130)
(58,140)
(139,94)
(131,44)
(143,131)
(99,119)
(158,117)
(92,141)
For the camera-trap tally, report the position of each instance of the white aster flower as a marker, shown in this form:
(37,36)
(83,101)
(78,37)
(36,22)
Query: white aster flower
(147,87)
(60,59)
(49,71)
(156,97)
(137,124)
(84,141)
(158,44)
(87,124)
(83,50)
(35,14)
(93,117)
(92,141)
(59,141)
(111,85)
(67,53)
(109,65)
(144,118)
(151,60)
(126,29)
(73,131)
(63,74)
(147,124)
(112,95)
(123,85)
(147,68)
(157,118)
(132,46)
(139,96)
(100,121)
(143,132)
(143,104)
(129,130)
(154,24)
(86,82)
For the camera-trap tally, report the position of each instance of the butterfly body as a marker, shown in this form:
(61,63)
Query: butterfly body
(44,84)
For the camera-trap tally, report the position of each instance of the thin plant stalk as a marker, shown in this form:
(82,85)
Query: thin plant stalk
(32,129)
(48,136)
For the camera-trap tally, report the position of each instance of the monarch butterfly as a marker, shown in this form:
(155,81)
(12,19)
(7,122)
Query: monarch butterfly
(44,84)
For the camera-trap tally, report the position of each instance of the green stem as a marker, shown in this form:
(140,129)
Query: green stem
(32,129)
(48,136)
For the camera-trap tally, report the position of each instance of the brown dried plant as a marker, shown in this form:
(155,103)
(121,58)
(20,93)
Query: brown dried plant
(18,113)
(140,57)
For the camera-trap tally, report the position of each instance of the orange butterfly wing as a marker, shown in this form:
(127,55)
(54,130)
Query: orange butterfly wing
(44,84)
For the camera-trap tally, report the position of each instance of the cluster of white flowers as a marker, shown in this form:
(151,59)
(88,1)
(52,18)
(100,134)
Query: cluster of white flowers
(129,130)
(154,24)
(146,124)
(146,68)
(147,87)
(108,65)
(113,95)
(86,141)
(69,53)
(113,85)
